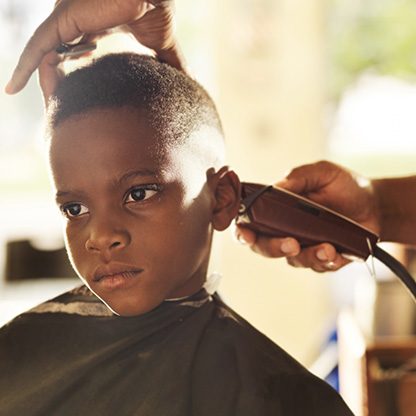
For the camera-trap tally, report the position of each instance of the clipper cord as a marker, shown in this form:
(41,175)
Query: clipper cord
(397,268)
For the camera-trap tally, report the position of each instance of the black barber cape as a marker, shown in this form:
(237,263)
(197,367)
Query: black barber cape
(71,357)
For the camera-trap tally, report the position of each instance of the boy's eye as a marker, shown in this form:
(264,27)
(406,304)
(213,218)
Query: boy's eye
(74,209)
(140,193)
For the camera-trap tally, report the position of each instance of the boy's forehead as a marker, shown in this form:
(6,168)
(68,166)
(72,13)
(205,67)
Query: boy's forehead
(98,127)
(118,140)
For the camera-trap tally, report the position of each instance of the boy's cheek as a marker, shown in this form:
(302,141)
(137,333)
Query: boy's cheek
(75,247)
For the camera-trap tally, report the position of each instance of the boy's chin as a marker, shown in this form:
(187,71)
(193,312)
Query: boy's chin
(128,309)
(134,303)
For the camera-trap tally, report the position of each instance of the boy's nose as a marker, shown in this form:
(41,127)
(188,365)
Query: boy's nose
(105,239)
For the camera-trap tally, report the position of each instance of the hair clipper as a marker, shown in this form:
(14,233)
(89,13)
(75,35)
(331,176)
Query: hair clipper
(276,212)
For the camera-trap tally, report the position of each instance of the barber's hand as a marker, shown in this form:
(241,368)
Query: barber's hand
(151,21)
(329,185)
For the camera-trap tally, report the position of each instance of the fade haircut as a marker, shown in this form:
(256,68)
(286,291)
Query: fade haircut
(175,105)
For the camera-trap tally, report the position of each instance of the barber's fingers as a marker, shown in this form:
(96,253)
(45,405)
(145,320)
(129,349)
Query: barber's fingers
(268,247)
(276,247)
(50,73)
(155,29)
(244,235)
(44,40)
(310,178)
(320,258)
(51,70)
(68,21)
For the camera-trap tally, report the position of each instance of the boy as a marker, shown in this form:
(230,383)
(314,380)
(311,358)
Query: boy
(136,155)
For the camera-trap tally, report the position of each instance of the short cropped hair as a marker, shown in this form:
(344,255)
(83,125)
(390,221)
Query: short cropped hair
(175,104)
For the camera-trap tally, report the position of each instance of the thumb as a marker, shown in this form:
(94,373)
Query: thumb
(311,178)
(295,185)
(50,73)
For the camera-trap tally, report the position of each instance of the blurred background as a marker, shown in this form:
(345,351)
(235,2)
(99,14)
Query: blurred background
(295,82)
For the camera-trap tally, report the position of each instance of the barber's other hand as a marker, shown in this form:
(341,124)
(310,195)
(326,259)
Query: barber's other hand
(73,18)
(332,186)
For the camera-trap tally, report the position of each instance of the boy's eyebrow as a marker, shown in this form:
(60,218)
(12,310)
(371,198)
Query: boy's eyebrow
(139,172)
(60,194)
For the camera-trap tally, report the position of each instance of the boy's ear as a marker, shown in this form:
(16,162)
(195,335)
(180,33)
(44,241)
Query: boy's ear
(225,186)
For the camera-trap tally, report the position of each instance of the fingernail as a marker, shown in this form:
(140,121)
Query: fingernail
(241,239)
(9,88)
(282,182)
(321,255)
(289,247)
(330,265)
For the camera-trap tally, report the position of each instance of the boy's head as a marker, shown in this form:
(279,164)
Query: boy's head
(136,156)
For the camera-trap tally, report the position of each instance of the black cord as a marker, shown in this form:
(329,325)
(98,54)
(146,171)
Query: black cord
(397,268)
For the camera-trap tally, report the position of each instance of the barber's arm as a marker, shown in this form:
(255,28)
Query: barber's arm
(386,206)
(151,21)
(396,202)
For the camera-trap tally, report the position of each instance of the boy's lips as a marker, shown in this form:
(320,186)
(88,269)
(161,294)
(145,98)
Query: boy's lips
(114,273)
